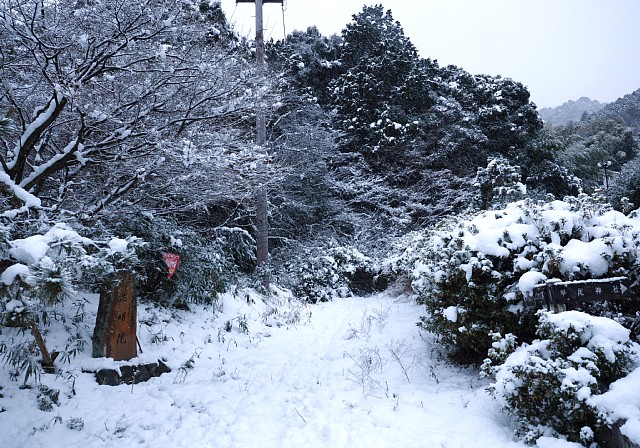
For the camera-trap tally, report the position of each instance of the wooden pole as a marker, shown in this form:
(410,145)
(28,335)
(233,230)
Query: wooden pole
(262,210)
(261,130)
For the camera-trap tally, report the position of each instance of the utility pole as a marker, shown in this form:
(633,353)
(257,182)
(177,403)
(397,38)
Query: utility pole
(262,208)
(261,136)
(262,205)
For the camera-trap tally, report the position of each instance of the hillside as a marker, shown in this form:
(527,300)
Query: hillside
(570,111)
(625,110)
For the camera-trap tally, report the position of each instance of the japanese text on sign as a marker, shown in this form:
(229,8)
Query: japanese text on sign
(562,293)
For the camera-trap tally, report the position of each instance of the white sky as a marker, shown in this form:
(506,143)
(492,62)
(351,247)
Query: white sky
(560,49)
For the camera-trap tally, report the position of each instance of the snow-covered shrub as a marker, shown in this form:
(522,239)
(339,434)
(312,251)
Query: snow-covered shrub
(550,384)
(39,284)
(497,184)
(48,268)
(501,348)
(208,264)
(626,184)
(317,275)
(474,273)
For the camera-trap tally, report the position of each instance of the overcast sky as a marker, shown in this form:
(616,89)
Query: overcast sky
(561,49)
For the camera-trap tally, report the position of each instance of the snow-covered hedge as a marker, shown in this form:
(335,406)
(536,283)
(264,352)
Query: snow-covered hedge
(552,384)
(321,274)
(474,272)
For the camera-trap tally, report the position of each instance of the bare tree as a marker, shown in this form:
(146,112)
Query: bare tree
(106,96)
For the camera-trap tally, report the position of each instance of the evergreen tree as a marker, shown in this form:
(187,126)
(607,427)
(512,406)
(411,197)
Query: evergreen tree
(310,61)
(497,107)
(626,185)
(381,68)
(497,185)
(542,172)
(411,133)
(588,146)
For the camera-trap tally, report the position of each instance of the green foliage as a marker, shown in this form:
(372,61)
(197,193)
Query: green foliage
(497,184)
(410,132)
(318,275)
(40,285)
(208,265)
(473,274)
(379,63)
(311,61)
(20,355)
(542,171)
(47,398)
(549,384)
(52,266)
(589,147)
(464,313)
(626,187)
(52,283)
(469,295)
(500,350)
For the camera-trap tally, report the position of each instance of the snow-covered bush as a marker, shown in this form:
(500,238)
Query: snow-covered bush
(497,184)
(321,274)
(48,268)
(39,283)
(208,265)
(474,273)
(551,383)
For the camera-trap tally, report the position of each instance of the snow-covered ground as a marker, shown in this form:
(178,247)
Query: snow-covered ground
(354,372)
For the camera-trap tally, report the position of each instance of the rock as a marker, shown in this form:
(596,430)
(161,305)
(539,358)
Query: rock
(131,374)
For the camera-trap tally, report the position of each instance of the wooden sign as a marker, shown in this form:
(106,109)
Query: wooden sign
(115,332)
(566,293)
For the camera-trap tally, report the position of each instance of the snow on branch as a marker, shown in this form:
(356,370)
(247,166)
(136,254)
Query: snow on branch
(33,132)
(30,201)
(124,187)
(50,165)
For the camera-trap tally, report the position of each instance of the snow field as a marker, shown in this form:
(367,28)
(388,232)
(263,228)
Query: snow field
(351,373)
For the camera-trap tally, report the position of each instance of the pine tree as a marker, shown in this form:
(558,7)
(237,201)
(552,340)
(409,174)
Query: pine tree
(310,60)
(380,66)
(497,184)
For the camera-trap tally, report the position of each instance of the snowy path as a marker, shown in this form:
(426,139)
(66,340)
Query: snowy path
(333,381)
